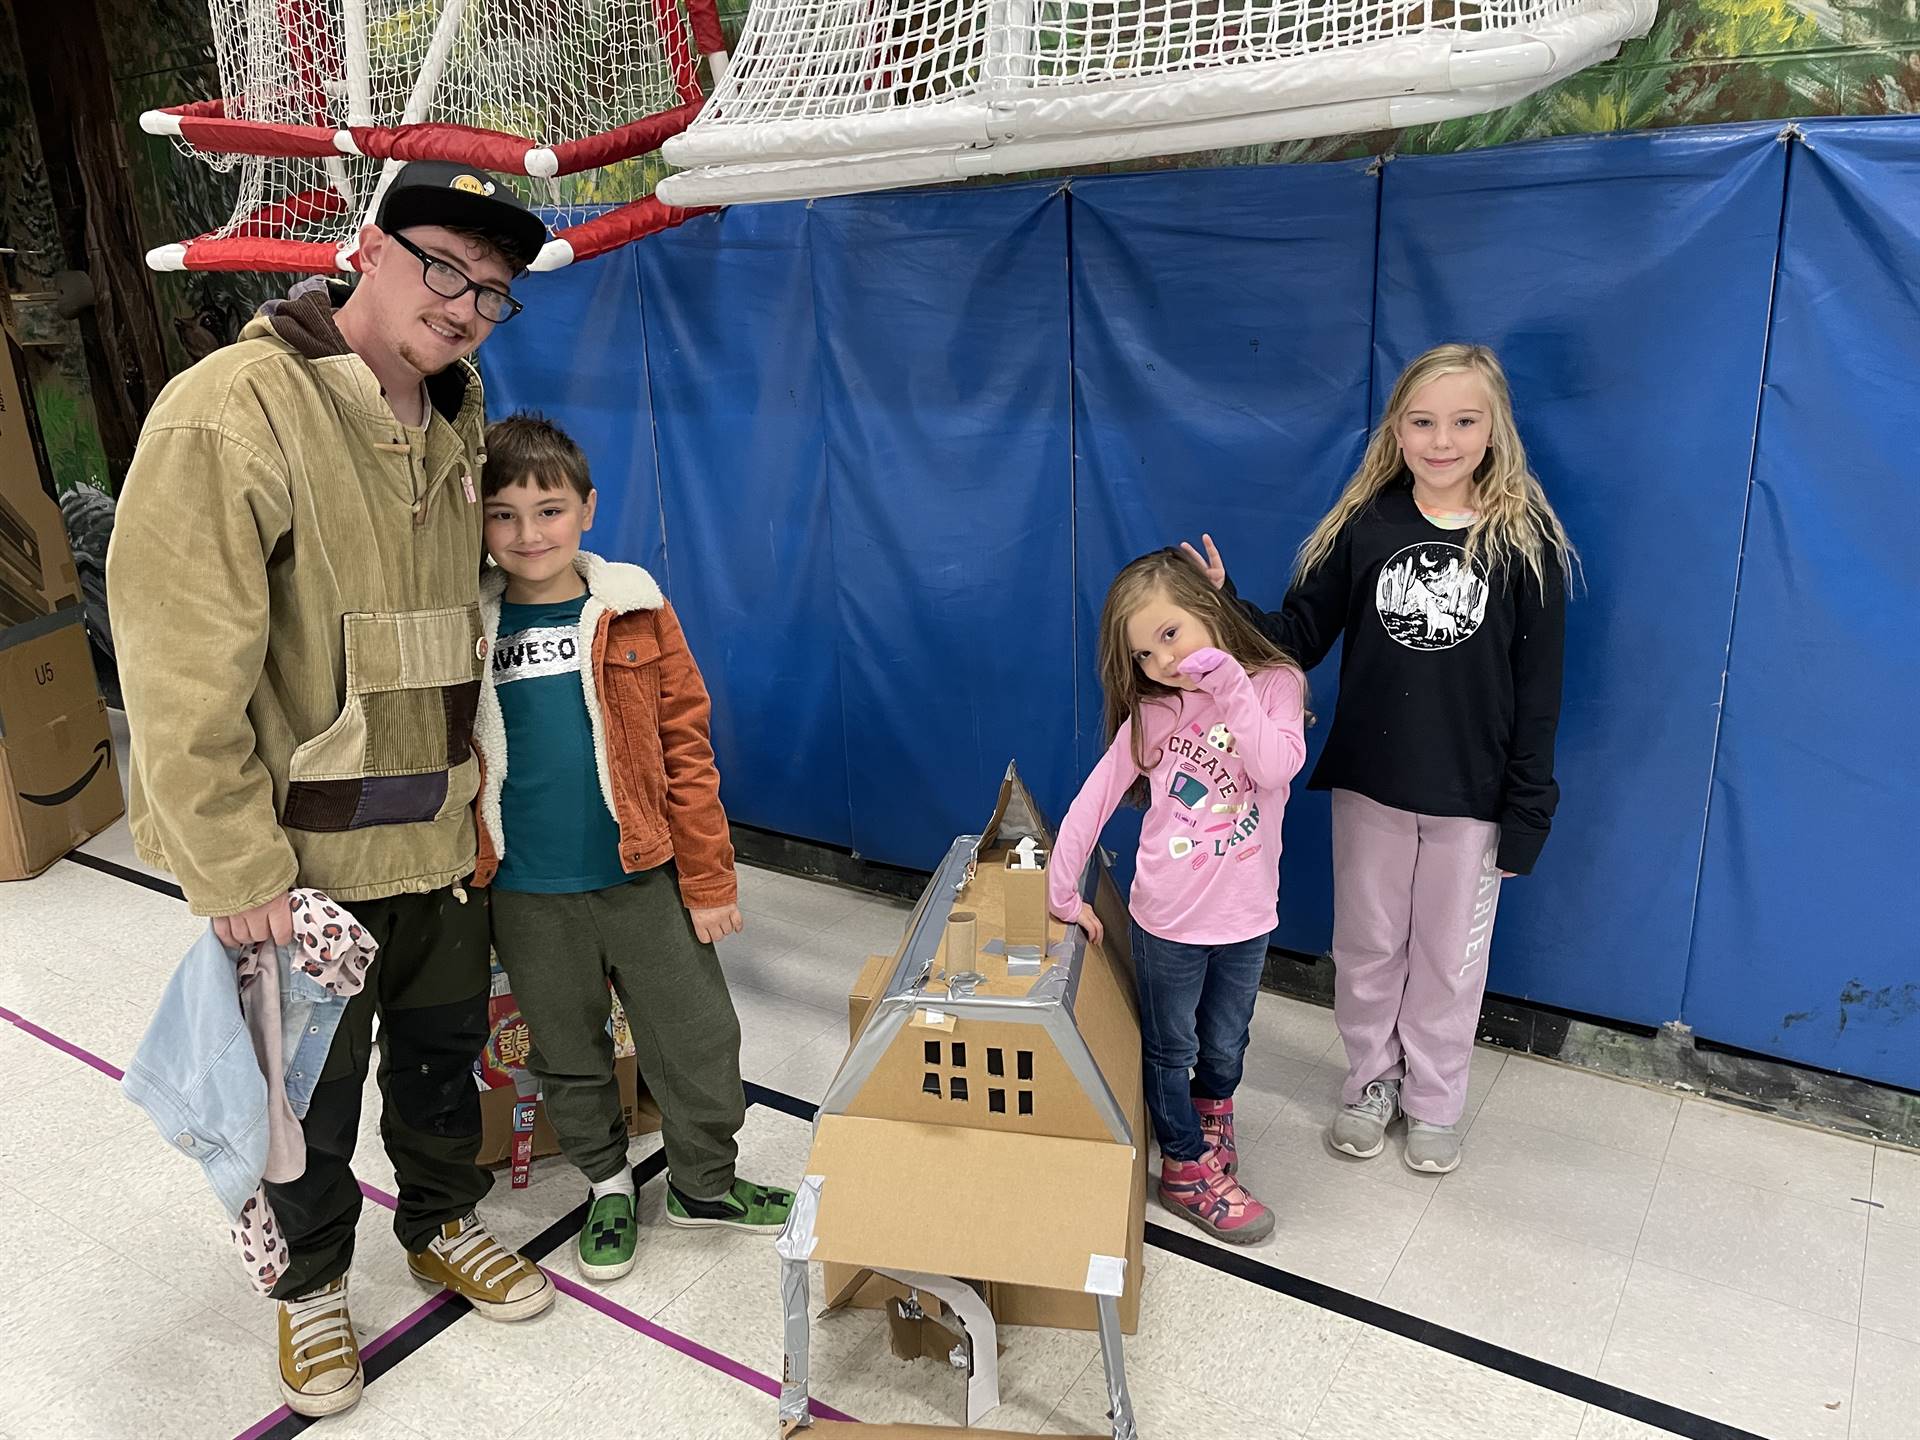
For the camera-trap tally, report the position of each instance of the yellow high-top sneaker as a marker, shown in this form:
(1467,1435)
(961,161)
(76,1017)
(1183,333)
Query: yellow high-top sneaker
(467,1259)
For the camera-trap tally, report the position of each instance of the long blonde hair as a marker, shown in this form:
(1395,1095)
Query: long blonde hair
(1514,519)
(1170,574)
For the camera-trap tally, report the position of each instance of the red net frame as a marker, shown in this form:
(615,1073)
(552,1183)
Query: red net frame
(304,123)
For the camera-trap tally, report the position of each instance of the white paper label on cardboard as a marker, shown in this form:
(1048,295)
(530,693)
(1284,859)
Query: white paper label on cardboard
(934,1020)
(796,1239)
(1106,1275)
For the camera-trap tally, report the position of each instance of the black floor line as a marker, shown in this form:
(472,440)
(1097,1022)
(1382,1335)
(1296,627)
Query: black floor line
(128,874)
(1238,1264)
(1485,1353)
(779,1100)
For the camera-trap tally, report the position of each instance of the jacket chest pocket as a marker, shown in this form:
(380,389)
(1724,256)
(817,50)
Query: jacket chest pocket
(400,751)
(632,703)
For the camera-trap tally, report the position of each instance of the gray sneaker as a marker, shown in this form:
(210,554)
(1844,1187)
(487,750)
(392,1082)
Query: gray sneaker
(1432,1149)
(1361,1130)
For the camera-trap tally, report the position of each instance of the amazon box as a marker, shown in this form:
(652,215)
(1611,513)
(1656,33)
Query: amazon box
(37,576)
(58,783)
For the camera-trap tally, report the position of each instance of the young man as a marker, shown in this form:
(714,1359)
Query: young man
(294,585)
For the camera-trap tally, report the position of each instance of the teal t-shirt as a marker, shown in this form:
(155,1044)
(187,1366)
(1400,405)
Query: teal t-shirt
(560,838)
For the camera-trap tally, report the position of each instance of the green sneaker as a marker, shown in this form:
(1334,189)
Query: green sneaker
(760,1209)
(607,1239)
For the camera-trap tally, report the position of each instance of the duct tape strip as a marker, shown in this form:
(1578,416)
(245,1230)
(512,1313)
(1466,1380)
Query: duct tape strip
(794,1245)
(794,1304)
(1114,1362)
(1025,959)
(1059,950)
(796,1240)
(1050,986)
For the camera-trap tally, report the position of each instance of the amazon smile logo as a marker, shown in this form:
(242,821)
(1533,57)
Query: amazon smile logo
(102,752)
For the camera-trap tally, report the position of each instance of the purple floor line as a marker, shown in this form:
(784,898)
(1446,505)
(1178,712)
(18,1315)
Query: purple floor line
(65,1046)
(673,1340)
(713,1359)
(264,1424)
(693,1349)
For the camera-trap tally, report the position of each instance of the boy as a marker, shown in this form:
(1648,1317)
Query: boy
(602,835)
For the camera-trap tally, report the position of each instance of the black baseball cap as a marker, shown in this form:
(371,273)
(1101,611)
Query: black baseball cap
(438,192)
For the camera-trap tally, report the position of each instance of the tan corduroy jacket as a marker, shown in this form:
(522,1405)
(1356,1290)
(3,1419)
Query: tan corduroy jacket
(294,584)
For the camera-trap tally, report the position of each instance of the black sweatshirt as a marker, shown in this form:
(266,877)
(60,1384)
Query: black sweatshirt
(1449,682)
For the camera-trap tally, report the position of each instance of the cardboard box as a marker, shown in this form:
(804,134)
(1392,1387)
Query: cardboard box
(871,980)
(507,1047)
(59,785)
(909,1142)
(1023,895)
(37,575)
(496,1116)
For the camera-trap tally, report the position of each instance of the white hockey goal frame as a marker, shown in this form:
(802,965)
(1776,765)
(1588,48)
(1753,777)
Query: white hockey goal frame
(838,96)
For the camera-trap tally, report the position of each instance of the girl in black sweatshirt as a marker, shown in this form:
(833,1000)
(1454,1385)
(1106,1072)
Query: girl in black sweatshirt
(1445,571)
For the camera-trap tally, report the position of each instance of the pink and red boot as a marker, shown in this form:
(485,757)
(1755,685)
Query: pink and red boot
(1216,1127)
(1201,1191)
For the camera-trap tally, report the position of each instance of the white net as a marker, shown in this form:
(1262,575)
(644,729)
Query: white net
(825,59)
(852,85)
(546,70)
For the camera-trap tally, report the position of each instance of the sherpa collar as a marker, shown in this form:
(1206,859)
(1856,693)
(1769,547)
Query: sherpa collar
(619,587)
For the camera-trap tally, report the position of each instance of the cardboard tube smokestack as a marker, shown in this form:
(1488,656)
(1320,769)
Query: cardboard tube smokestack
(962,945)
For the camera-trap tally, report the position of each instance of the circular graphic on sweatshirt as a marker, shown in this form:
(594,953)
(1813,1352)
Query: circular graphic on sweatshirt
(1430,596)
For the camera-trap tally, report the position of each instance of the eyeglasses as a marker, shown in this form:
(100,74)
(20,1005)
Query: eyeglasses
(450,282)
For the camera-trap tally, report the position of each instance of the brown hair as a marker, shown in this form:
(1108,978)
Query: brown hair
(1170,574)
(528,446)
(480,243)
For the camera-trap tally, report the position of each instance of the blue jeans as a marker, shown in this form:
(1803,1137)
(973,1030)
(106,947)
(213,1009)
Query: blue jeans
(1196,1005)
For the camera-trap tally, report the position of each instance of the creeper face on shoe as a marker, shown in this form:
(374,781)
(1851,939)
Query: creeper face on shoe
(608,1240)
(758,1209)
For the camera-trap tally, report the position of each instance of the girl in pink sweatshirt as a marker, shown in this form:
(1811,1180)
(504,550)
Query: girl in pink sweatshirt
(1205,718)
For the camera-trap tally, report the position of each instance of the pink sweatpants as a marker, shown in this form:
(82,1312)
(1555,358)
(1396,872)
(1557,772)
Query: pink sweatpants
(1413,905)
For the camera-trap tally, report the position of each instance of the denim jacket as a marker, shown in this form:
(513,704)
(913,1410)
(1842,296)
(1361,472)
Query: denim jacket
(197,1077)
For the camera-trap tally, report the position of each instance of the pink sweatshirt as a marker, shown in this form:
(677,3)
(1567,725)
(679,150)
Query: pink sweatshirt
(1222,759)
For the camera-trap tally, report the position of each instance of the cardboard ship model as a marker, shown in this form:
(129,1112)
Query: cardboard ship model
(979,1158)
